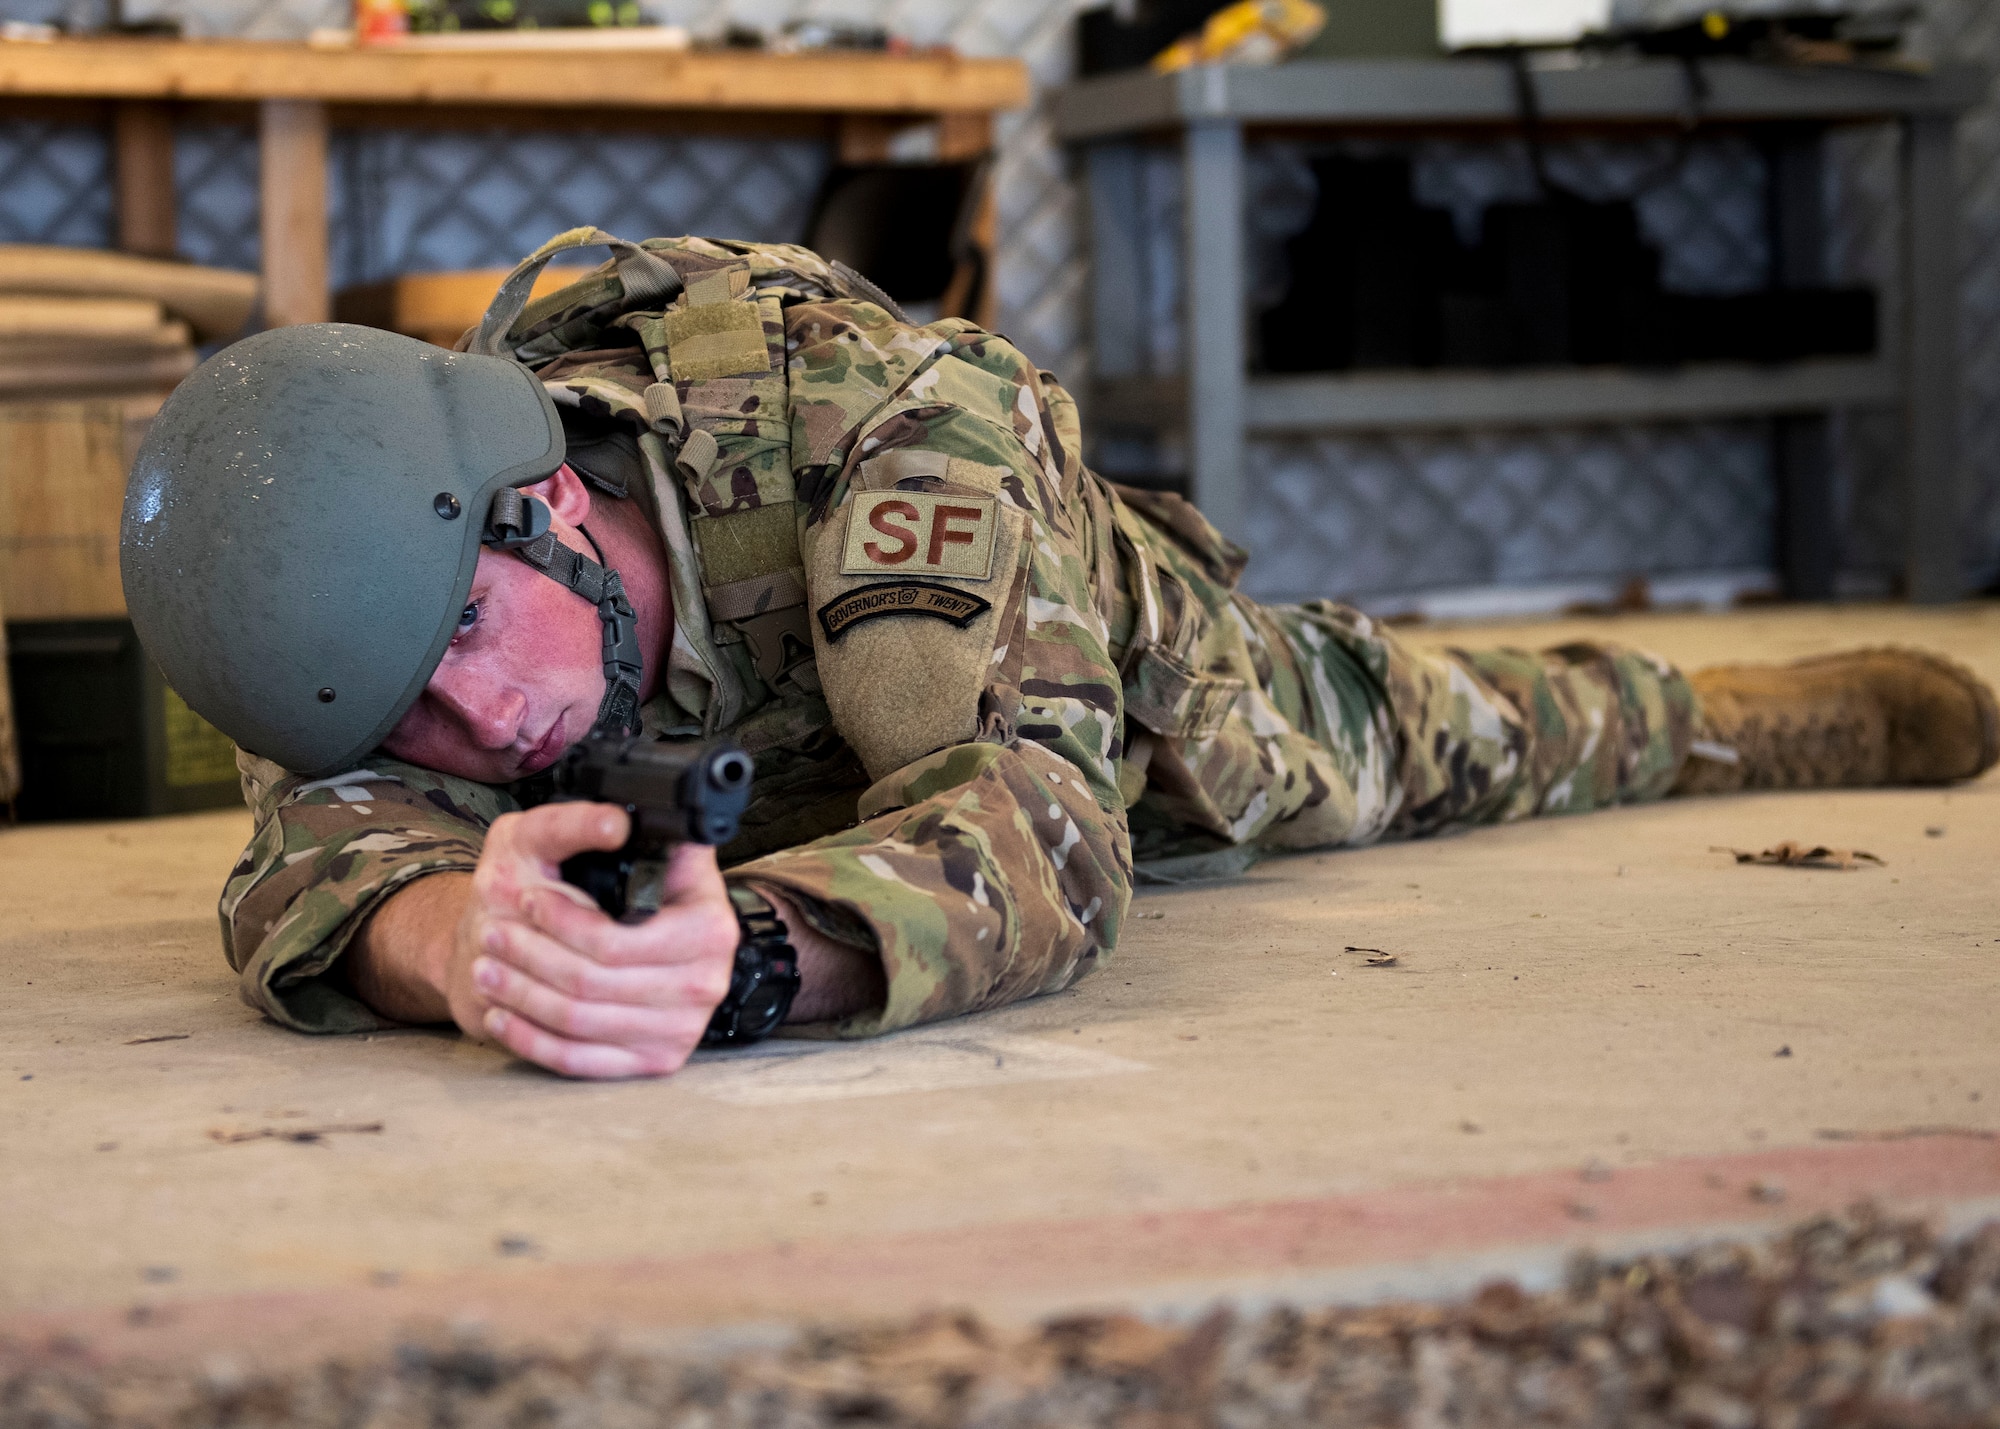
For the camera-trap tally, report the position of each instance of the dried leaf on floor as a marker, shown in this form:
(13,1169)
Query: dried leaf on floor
(301,1135)
(1792,854)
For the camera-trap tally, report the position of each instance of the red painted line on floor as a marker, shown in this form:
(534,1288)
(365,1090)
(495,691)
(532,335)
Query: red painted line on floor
(1087,1261)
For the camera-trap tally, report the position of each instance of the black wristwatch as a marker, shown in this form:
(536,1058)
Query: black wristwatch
(766,978)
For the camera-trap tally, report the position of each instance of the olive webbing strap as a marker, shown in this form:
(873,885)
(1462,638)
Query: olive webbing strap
(519,524)
(649,280)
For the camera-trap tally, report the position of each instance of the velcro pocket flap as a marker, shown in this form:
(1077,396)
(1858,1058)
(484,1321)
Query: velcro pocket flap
(1170,697)
(715,340)
(757,541)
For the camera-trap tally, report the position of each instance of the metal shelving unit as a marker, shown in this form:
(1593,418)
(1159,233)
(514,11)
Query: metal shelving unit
(1210,111)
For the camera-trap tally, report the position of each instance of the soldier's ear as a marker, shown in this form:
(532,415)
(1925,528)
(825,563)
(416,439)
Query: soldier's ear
(567,496)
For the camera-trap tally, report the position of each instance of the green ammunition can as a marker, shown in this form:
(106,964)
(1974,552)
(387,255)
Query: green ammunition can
(102,734)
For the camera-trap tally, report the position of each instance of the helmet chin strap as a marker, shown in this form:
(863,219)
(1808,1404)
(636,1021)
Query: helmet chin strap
(521,524)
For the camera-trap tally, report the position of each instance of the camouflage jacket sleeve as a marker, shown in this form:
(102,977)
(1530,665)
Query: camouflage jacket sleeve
(976,685)
(325,851)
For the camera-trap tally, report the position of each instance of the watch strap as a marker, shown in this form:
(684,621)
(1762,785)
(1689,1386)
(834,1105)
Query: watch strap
(764,980)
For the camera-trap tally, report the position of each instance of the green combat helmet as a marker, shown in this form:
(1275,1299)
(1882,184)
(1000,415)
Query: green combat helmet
(303,522)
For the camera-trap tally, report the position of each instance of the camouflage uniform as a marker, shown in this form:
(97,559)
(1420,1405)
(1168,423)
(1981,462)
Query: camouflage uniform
(978,680)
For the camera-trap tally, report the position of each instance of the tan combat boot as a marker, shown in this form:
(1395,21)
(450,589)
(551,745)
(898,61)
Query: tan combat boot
(1864,717)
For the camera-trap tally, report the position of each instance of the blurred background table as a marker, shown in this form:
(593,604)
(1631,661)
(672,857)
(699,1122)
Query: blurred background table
(1209,111)
(874,107)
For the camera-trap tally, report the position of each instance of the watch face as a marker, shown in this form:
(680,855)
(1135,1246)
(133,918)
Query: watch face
(763,1009)
(765,982)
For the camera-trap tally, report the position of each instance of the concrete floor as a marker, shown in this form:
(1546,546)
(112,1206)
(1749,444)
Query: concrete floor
(1596,1030)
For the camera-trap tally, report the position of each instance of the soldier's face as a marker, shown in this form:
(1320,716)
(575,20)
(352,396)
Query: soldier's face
(524,674)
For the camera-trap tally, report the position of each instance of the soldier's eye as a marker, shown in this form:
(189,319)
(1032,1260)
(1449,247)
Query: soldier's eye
(468,618)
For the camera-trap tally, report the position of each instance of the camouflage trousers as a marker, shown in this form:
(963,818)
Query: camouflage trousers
(1411,741)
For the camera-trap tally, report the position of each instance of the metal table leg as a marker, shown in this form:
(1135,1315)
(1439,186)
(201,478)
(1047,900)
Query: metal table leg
(1212,157)
(1118,243)
(1936,536)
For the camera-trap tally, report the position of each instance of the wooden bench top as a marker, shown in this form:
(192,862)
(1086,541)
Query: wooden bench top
(641,77)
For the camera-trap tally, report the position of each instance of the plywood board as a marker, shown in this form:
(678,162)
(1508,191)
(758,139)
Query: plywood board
(62,486)
(56,375)
(54,315)
(216,301)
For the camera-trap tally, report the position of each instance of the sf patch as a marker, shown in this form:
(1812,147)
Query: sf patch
(920,533)
(870,602)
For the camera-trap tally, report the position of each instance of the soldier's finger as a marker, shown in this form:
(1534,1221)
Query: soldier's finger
(681,933)
(552,832)
(615,1023)
(692,873)
(540,956)
(594,1060)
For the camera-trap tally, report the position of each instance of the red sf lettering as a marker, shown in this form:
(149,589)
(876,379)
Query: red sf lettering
(942,533)
(904,536)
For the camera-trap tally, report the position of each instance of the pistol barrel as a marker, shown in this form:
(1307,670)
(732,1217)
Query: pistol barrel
(677,791)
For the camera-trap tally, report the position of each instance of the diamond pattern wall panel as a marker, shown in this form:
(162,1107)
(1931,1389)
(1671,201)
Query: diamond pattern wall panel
(1701,203)
(37,12)
(54,184)
(414,202)
(245,19)
(215,178)
(1384,516)
(422,201)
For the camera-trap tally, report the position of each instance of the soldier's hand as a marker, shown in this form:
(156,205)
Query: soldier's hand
(539,968)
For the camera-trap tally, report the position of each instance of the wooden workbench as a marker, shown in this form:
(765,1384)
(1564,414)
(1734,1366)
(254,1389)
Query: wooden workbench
(870,105)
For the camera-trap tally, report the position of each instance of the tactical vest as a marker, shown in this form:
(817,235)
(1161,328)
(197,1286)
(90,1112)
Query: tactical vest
(675,351)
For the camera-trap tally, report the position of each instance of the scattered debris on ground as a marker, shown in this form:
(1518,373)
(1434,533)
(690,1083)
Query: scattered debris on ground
(1375,957)
(304,1135)
(162,1037)
(1791,854)
(1845,1322)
